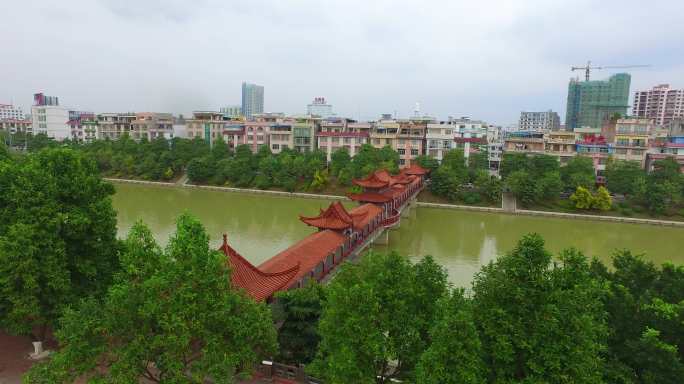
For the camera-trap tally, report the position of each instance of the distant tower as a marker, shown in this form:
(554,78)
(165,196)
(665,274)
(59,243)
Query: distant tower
(416,111)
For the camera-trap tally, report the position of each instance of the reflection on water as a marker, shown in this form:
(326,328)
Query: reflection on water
(260,226)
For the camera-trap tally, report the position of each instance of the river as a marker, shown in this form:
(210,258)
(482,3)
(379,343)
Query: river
(259,226)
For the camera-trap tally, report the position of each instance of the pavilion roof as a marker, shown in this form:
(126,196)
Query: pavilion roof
(336,217)
(414,169)
(258,284)
(377,179)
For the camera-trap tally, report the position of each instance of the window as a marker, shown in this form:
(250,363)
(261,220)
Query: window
(448,132)
(323,139)
(414,152)
(402,161)
(275,147)
(401,151)
(376,141)
(347,140)
(415,142)
(335,140)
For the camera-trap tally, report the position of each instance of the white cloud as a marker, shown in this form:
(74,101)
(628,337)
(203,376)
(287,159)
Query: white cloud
(486,59)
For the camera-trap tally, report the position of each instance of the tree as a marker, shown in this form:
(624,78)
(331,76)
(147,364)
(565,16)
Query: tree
(522,185)
(171,316)
(427,162)
(540,323)
(602,200)
(549,186)
(645,307)
(579,172)
(623,177)
(200,169)
(374,314)
(582,198)
(57,242)
(454,356)
(339,160)
(300,311)
(512,162)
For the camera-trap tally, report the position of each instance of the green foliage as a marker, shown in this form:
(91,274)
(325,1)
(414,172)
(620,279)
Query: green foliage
(624,177)
(522,185)
(582,198)
(377,312)
(300,310)
(57,238)
(171,316)
(663,186)
(578,172)
(539,323)
(427,162)
(320,180)
(602,200)
(455,355)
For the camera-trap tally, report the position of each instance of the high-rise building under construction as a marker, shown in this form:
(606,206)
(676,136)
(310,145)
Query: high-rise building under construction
(590,103)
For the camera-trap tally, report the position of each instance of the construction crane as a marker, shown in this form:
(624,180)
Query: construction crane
(588,68)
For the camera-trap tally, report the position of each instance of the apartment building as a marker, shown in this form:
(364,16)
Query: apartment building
(591,103)
(208,125)
(561,144)
(662,104)
(10,112)
(385,133)
(524,141)
(631,138)
(257,133)
(49,118)
(152,125)
(338,133)
(539,121)
(83,127)
(439,137)
(17,126)
(410,139)
(672,146)
(114,125)
(303,132)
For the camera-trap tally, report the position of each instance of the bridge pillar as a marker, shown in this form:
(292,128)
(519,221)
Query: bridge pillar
(508,202)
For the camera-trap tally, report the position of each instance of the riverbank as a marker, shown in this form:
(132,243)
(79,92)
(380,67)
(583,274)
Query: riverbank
(574,216)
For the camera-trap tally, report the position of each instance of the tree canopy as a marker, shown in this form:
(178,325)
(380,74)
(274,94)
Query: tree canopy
(57,238)
(171,316)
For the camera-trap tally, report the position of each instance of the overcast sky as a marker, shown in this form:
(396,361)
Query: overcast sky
(479,58)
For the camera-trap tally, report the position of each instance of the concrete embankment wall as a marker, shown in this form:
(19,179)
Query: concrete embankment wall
(229,189)
(562,215)
(575,216)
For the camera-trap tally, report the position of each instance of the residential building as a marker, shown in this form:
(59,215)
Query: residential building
(385,133)
(49,118)
(539,121)
(630,138)
(83,126)
(231,111)
(410,140)
(524,141)
(114,125)
(179,127)
(257,133)
(281,137)
(320,108)
(304,129)
(673,146)
(591,103)
(338,133)
(209,125)
(440,139)
(662,104)
(252,99)
(590,143)
(494,155)
(151,125)
(17,126)
(9,111)
(561,144)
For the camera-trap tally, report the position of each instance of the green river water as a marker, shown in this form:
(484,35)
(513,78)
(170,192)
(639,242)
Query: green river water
(259,226)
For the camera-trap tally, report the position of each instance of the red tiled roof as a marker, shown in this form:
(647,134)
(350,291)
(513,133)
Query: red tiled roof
(305,254)
(365,213)
(369,197)
(414,169)
(377,179)
(259,285)
(334,217)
